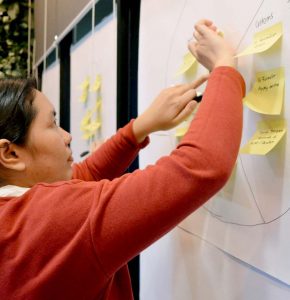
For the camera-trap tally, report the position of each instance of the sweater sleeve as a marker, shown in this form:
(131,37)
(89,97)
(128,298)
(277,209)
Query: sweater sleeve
(112,158)
(136,209)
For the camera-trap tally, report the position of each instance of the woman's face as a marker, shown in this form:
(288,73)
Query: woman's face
(47,155)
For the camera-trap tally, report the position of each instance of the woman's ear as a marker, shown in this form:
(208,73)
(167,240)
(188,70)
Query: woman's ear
(10,156)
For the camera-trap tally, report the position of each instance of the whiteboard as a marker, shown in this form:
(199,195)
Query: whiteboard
(50,85)
(249,219)
(94,54)
(184,267)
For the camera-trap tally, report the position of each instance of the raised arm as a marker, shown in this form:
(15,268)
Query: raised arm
(110,160)
(138,208)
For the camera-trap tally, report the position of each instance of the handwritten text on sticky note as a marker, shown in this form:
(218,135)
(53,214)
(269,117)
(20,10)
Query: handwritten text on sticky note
(267,94)
(267,136)
(264,40)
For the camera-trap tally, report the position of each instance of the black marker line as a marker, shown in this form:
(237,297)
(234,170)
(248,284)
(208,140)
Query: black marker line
(172,41)
(243,169)
(247,29)
(216,216)
(235,258)
(252,192)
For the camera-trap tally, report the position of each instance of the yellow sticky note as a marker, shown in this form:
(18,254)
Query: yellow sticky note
(94,126)
(85,85)
(97,84)
(87,135)
(181,131)
(267,136)
(98,106)
(264,40)
(87,118)
(84,97)
(99,119)
(267,94)
(188,61)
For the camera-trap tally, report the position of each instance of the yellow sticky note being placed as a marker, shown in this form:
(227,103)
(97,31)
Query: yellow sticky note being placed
(188,61)
(264,40)
(267,136)
(181,131)
(267,94)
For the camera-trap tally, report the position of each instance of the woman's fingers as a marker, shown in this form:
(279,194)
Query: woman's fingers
(205,22)
(186,103)
(198,82)
(189,91)
(186,97)
(185,113)
(192,48)
(181,89)
(202,30)
(197,36)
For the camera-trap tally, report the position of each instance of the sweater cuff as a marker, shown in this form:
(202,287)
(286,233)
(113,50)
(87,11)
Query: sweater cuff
(129,134)
(234,73)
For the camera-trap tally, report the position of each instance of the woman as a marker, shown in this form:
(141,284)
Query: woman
(63,238)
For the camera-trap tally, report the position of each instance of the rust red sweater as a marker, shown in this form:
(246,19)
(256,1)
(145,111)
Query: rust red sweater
(72,240)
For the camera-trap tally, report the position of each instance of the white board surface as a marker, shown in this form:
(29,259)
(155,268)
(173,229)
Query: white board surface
(249,219)
(50,85)
(94,54)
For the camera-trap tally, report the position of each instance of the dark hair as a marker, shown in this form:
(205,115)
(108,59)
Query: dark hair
(16,111)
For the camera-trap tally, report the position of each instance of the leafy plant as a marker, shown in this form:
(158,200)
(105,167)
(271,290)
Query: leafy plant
(14,50)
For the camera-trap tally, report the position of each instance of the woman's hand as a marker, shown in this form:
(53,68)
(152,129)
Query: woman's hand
(172,106)
(210,49)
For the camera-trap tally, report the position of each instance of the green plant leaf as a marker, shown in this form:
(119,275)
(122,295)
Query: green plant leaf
(14,37)
(13,11)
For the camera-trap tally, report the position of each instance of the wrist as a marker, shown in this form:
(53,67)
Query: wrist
(140,129)
(226,62)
